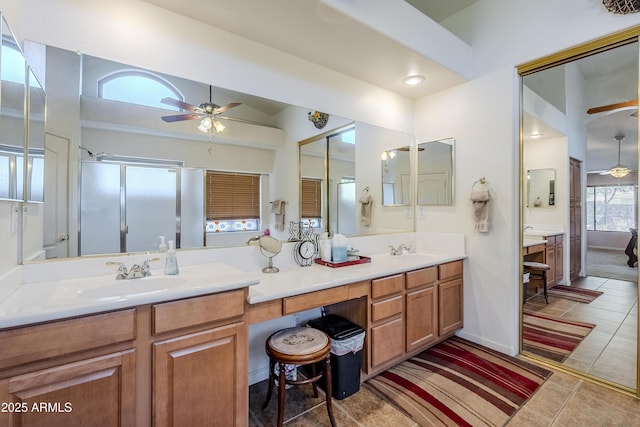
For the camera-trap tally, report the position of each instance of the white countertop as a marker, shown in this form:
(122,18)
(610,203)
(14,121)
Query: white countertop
(526,242)
(68,289)
(46,301)
(316,277)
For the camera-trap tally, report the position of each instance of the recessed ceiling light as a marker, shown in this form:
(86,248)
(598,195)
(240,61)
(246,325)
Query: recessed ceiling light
(413,80)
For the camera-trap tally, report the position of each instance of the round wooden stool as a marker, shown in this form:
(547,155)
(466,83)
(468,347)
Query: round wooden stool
(298,346)
(537,270)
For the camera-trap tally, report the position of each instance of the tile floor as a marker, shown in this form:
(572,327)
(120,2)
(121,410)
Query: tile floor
(609,351)
(563,400)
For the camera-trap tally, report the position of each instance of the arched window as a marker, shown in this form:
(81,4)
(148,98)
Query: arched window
(138,87)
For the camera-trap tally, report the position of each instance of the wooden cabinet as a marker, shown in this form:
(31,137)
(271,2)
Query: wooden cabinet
(554,258)
(575,218)
(176,363)
(386,321)
(410,312)
(201,377)
(421,317)
(99,391)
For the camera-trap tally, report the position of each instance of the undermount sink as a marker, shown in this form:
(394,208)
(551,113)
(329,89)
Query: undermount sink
(128,288)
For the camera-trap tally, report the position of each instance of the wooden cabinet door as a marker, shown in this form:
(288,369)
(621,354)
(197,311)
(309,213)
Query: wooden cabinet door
(450,307)
(386,342)
(421,317)
(550,259)
(559,262)
(202,379)
(95,392)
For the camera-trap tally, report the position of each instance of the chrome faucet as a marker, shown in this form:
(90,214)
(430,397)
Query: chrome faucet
(526,227)
(135,272)
(398,251)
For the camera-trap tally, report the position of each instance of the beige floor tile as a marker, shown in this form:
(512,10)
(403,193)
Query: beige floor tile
(372,411)
(317,417)
(596,314)
(593,405)
(529,417)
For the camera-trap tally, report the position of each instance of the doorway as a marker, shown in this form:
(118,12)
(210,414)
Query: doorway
(571,111)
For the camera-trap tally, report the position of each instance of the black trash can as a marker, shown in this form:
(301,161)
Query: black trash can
(347,341)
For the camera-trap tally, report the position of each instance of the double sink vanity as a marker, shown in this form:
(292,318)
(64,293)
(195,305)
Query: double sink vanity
(174,350)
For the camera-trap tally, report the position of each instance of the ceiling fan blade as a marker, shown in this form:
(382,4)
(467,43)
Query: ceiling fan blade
(225,107)
(180,104)
(180,117)
(611,107)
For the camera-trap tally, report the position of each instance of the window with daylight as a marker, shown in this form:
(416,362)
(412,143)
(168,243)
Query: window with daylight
(311,199)
(611,207)
(233,202)
(138,87)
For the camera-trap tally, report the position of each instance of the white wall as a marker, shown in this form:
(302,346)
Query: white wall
(481,116)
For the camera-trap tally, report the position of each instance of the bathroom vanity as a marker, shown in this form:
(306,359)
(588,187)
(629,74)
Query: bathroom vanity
(180,356)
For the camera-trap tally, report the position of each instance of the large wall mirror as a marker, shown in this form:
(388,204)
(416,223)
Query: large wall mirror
(541,185)
(12,116)
(396,176)
(574,111)
(88,129)
(436,172)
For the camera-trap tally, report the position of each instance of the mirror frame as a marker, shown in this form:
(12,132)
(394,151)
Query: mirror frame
(565,56)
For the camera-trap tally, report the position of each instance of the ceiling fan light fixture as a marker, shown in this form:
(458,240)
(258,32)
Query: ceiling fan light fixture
(619,171)
(205,125)
(219,126)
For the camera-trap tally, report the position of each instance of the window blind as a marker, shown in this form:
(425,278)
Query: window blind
(311,198)
(232,196)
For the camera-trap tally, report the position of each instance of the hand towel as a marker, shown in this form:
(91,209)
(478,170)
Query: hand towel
(278,207)
(366,201)
(480,197)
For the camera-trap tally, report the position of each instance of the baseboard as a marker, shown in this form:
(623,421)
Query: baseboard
(488,343)
(258,375)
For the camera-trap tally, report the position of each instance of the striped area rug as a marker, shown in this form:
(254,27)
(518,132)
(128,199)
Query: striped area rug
(459,383)
(573,293)
(552,337)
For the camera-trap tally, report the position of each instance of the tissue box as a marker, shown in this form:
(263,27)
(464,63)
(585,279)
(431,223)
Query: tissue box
(339,254)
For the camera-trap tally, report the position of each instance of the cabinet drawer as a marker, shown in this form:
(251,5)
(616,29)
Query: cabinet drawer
(315,299)
(386,308)
(449,270)
(387,286)
(421,277)
(38,342)
(551,240)
(535,249)
(174,315)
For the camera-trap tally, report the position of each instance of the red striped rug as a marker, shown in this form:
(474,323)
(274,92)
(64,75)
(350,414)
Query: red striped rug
(552,337)
(459,383)
(573,293)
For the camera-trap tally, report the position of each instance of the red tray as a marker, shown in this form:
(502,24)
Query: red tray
(362,260)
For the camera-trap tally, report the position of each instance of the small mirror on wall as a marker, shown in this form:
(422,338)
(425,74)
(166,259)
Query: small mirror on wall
(435,172)
(396,176)
(541,188)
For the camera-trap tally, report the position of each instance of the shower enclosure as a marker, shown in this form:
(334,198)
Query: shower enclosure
(126,207)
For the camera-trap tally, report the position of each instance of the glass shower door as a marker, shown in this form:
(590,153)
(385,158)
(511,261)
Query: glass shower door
(150,206)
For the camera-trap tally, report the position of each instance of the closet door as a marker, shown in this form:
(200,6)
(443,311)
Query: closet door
(575,212)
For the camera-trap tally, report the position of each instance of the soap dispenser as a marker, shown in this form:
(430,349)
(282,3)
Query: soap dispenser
(163,246)
(171,262)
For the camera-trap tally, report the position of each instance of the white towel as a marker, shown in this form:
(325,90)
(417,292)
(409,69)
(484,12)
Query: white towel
(480,198)
(278,207)
(366,201)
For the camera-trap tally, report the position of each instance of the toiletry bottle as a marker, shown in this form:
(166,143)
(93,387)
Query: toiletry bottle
(171,263)
(163,246)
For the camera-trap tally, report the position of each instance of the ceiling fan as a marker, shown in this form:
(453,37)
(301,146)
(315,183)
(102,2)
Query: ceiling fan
(616,106)
(207,112)
(619,170)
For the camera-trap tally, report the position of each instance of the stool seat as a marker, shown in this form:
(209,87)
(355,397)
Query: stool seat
(538,269)
(298,346)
